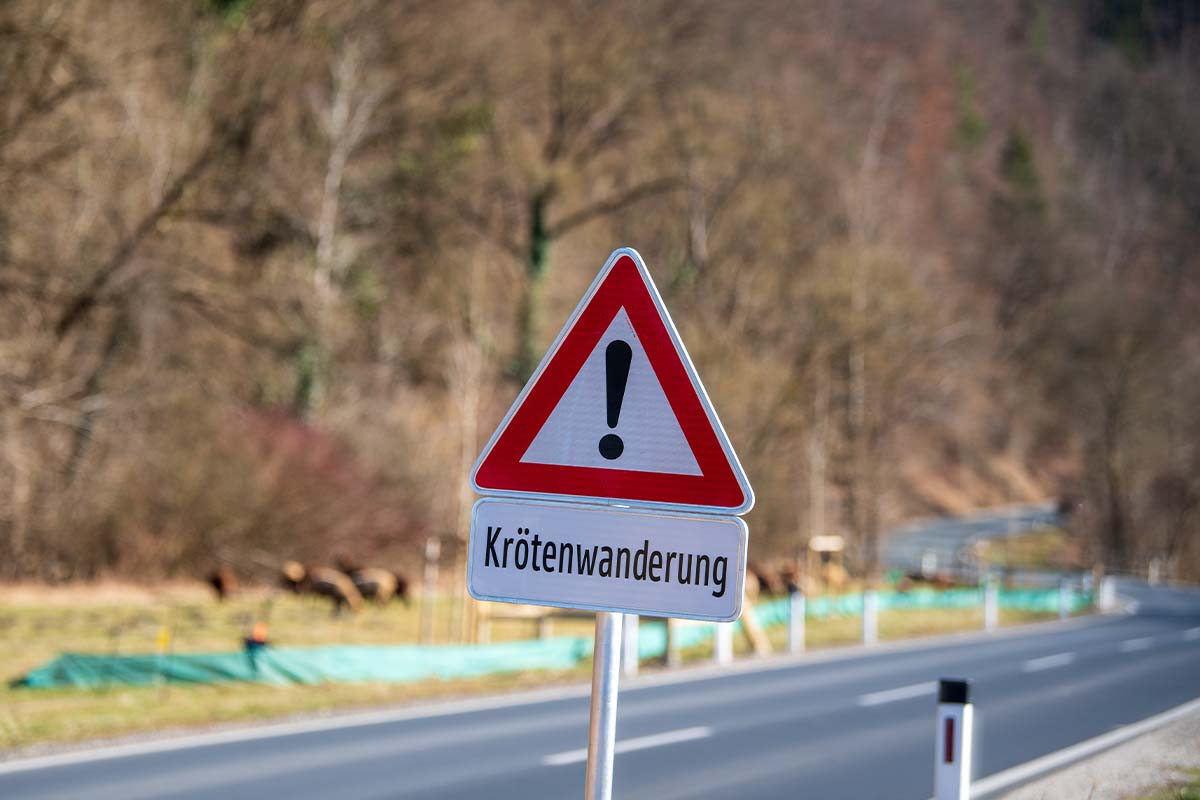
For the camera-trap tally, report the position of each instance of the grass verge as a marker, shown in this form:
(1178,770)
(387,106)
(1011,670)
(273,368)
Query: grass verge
(35,628)
(1186,789)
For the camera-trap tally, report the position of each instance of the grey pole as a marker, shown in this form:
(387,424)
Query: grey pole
(602,729)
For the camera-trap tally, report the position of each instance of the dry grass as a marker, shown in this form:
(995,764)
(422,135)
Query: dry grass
(1042,549)
(38,624)
(36,627)
(30,717)
(905,624)
(1187,789)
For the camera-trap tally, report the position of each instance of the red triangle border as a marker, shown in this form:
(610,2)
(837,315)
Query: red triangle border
(624,283)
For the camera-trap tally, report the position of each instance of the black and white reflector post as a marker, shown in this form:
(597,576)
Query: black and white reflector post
(952,759)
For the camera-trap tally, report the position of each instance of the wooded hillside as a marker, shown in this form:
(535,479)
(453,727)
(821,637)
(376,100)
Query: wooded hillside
(271,270)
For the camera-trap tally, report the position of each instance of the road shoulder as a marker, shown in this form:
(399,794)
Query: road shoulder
(1129,770)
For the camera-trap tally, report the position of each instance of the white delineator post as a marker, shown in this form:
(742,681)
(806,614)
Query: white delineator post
(429,581)
(796,606)
(723,643)
(629,646)
(991,605)
(952,757)
(1064,600)
(1106,595)
(870,617)
(673,657)
(602,727)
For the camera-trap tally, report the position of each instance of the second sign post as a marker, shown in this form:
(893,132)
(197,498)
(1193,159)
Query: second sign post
(614,486)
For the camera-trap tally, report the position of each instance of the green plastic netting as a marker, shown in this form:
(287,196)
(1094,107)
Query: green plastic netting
(405,663)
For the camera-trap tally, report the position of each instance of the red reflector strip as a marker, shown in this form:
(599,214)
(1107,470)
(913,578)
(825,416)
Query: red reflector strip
(948,755)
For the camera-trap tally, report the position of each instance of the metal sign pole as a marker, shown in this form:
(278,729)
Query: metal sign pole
(602,729)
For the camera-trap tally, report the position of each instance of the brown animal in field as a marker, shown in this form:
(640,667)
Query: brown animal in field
(223,582)
(769,579)
(375,583)
(790,574)
(402,587)
(323,582)
(347,564)
(291,576)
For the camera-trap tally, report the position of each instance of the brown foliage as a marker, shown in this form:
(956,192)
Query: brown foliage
(269,268)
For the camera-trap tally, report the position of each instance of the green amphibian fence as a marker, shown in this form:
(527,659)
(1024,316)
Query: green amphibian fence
(405,663)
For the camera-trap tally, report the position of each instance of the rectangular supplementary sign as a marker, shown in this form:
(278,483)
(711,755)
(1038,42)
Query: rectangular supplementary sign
(569,555)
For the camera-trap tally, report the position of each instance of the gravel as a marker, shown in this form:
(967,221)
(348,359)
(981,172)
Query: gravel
(1127,771)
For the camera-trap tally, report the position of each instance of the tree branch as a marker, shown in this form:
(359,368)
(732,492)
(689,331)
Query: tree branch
(479,223)
(609,205)
(87,299)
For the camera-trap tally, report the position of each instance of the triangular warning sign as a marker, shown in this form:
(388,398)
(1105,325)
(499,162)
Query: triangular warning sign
(616,411)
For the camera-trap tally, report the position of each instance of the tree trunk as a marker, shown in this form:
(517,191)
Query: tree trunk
(530,319)
(1114,523)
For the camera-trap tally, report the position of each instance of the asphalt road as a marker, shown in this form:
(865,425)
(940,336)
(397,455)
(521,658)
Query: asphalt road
(856,725)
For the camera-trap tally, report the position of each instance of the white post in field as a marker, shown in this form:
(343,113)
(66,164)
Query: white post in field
(870,617)
(991,605)
(723,643)
(429,581)
(1106,595)
(952,754)
(796,607)
(629,646)
(673,657)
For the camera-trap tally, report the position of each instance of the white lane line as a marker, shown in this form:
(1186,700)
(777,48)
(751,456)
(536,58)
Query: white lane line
(628,745)
(1047,662)
(1191,634)
(1133,645)
(899,693)
(1076,752)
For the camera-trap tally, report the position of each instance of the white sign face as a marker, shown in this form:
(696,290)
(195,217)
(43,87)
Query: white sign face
(654,563)
(651,439)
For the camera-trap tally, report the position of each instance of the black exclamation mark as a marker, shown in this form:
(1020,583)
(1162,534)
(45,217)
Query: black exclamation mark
(617,357)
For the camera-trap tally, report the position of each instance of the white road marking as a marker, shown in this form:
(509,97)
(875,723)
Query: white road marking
(1191,634)
(628,745)
(1053,761)
(899,693)
(1133,645)
(1047,662)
